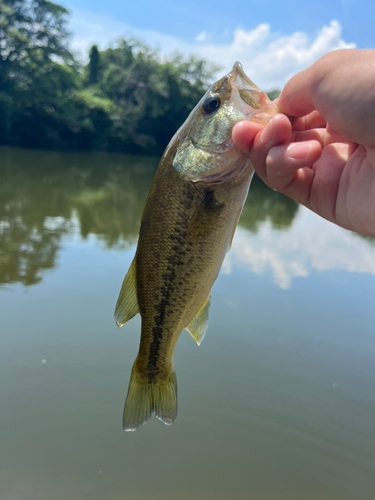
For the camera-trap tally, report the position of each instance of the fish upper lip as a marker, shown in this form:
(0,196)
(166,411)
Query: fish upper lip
(237,66)
(244,82)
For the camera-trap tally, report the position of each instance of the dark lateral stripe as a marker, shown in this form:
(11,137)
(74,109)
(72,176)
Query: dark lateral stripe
(178,236)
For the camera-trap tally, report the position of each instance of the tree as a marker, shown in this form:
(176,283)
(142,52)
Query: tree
(272,94)
(125,99)
(30,33)
(152,98)
(93,66)
(35,87)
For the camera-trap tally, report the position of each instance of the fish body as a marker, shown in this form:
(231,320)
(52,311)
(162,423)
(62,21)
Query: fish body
(188,223)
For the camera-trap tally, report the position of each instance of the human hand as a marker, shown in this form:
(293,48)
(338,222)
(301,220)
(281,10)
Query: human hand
(325,159)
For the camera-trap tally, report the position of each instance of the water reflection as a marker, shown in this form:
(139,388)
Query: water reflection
(310,244)
(265,205)
(278,403)
(42,194)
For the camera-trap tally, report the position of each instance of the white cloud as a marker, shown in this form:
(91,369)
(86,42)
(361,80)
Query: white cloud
(269,58)
(201,37)
(312,243)
(89,27)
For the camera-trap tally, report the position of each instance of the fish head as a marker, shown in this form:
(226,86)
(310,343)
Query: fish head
(205,150)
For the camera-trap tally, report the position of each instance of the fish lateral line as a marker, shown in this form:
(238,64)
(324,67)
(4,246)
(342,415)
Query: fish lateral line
(188,223)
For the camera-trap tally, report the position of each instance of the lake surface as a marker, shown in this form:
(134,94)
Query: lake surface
(278,403)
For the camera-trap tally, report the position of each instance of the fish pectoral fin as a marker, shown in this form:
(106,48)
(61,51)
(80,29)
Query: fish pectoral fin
(198,326)
(127,302)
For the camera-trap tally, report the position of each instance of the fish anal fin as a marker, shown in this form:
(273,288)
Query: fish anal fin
(146,398)
(198,326)
(127,302)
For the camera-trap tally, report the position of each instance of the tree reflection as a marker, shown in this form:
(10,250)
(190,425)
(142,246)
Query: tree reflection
(45,196)
(263,204)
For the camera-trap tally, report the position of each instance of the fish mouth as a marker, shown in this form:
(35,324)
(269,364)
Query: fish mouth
(248,91)
(239,78)
(217,149)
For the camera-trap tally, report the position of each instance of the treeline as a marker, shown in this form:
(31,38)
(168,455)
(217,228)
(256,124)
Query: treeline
(125,99)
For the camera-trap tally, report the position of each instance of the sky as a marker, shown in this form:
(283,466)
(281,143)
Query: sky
(273,40)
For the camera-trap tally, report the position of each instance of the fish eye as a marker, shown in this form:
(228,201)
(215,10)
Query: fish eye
(211,104)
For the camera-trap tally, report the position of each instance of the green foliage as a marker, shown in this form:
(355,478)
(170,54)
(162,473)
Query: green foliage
(37,72)
(273,94)
(125,99)
(152,98)
(94,65)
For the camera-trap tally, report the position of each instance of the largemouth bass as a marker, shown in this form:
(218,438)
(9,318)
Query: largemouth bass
(188,223)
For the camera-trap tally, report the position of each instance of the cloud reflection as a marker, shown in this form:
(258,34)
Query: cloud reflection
(46,196)
(310,243)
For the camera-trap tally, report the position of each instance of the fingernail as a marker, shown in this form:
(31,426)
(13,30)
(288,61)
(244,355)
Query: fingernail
(299,151)
(267,133)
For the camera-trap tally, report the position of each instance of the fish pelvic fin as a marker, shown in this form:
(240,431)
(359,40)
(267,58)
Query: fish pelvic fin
(198,326)
(149,397)
(127,302)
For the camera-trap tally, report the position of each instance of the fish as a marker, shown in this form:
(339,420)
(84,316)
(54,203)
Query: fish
(187,226)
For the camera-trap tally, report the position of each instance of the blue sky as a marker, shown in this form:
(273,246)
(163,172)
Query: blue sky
(272,39)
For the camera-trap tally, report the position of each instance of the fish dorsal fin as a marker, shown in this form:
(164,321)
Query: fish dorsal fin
(198,326)
(127,302)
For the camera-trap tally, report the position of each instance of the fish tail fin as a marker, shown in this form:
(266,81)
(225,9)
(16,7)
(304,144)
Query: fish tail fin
(146,398)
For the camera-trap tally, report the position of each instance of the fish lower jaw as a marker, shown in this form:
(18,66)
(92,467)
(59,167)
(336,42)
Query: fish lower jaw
(243,168)
(224,147)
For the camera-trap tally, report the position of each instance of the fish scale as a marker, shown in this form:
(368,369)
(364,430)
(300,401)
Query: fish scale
(188,223)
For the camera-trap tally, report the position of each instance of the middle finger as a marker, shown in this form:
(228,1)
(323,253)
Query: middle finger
(317,134)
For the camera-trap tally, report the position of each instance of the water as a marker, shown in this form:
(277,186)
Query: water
(278,403)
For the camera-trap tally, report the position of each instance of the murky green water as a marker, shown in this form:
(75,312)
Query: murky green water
(277,404)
